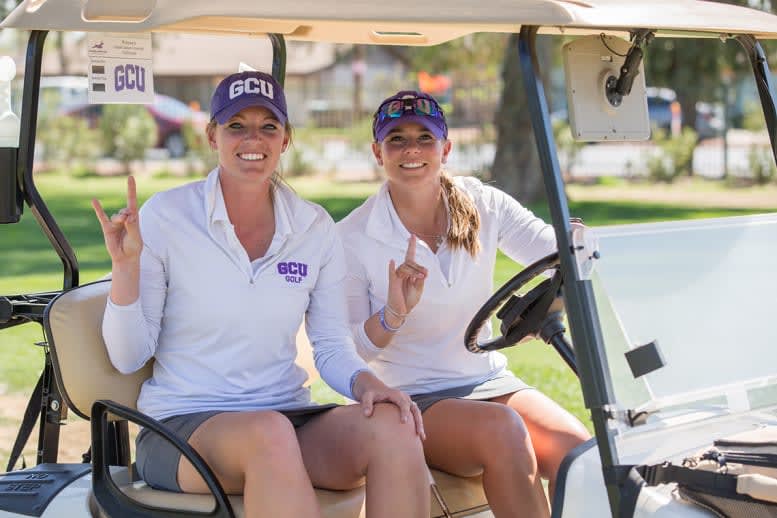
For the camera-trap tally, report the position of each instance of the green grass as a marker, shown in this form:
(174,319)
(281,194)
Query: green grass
(30,265)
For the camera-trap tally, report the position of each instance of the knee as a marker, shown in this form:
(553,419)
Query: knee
(269,432)
(506,439)
(387,431)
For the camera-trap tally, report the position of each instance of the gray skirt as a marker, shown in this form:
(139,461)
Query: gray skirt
(157,460)
(494,387)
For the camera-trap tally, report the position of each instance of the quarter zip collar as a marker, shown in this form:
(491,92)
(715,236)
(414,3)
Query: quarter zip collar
(384,225)
(292,214)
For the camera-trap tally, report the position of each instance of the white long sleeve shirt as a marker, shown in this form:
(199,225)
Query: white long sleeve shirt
(428,353)
(220,327)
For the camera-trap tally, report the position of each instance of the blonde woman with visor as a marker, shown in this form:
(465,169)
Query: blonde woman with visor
(421,255)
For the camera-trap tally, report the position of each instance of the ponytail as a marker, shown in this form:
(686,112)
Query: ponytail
(465,219)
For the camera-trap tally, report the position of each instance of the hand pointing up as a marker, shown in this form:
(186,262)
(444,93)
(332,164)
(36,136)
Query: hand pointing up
(122,230)
(406,283)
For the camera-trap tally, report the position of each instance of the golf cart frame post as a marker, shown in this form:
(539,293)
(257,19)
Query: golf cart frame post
(581,310)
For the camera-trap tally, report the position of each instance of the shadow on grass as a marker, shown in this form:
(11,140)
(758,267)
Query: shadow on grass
(24,249)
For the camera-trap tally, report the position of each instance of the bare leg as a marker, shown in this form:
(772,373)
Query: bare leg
(554,431)
(256,454)
(466,438)
(343,446)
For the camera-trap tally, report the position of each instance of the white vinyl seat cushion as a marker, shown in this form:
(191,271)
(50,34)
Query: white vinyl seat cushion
(85,374)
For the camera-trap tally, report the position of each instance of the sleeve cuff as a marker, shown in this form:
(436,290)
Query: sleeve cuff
(128,308)
(368,349)
(353,380)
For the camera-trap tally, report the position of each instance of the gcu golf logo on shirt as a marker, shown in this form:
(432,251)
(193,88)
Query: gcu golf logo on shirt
(251,85)
(292,271)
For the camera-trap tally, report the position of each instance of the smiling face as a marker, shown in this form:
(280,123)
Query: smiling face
(411,153)
(249,145)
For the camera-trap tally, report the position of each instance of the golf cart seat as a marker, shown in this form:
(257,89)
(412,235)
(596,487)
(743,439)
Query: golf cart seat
(85,375)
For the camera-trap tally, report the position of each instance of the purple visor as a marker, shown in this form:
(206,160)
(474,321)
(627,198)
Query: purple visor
(409,106)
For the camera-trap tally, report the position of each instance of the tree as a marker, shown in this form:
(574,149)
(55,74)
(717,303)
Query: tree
(6,6)
(692,67)
(516,168)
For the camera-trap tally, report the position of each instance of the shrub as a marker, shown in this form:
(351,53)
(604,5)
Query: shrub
(660,167)
(761,164)
(200,158)
(69,143)
(674,156)
(753,118)
(295,163)
(128,130)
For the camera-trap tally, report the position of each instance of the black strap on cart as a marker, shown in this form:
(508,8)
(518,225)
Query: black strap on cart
(31,414)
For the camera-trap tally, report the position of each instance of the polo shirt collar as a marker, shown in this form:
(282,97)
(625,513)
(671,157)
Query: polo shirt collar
(293,215)
(383,223)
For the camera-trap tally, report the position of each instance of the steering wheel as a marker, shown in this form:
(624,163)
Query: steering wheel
(521,315)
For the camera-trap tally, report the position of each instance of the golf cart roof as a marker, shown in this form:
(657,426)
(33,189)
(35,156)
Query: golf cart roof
(397,22)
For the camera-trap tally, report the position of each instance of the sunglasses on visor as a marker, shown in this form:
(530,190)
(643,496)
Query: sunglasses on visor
(399,107)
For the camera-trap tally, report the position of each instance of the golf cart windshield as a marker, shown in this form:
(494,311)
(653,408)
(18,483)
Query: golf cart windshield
(704,292)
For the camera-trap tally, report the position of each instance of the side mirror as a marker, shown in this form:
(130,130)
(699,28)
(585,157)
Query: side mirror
(597,110)
(11,198)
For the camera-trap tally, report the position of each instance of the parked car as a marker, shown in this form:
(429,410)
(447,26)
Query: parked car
(59,93)
(68,95)
(169,113)
(710,119)
(663,108)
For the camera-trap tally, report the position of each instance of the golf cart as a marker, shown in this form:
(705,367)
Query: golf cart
(653,326)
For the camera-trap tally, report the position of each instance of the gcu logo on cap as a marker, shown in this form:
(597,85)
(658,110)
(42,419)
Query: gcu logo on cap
(251,85)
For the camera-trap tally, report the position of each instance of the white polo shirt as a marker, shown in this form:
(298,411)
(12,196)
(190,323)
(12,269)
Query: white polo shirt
(428,353)
(222,328)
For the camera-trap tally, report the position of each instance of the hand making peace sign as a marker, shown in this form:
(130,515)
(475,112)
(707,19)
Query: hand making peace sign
(406,283)
(122,230)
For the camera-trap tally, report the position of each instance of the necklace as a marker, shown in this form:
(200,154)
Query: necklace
(436,238)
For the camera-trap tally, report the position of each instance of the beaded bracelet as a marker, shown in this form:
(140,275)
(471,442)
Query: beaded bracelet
(392,312)
(384,324)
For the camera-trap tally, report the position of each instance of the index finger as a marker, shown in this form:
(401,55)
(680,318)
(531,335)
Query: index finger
(410,254)
(132,194)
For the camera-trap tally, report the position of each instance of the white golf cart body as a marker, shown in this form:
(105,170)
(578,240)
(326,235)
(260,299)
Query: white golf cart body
(699,305)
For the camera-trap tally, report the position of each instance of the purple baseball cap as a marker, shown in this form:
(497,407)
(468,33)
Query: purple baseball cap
(244,89)
(409,106)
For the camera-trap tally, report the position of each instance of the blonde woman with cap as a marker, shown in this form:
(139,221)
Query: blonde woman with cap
(438,237)
(215,291)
